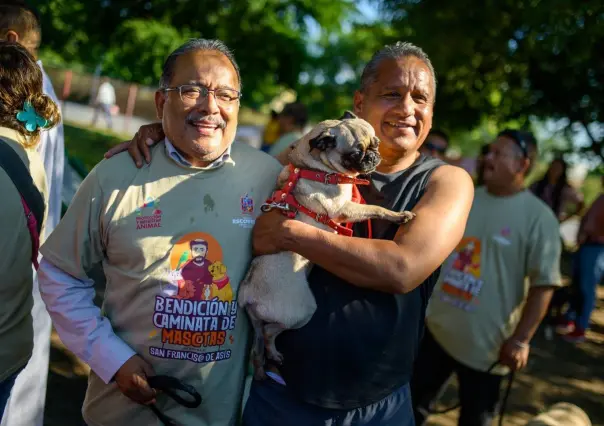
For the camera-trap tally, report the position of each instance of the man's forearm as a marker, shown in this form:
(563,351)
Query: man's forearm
(534,310)
(373,264)
(79,322)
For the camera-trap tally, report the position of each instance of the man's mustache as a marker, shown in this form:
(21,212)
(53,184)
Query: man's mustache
(210,119)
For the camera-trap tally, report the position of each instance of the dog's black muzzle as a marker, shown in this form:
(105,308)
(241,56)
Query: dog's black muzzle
(362,161)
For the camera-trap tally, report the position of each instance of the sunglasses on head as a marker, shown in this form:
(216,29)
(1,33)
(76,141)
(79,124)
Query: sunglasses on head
(519,139)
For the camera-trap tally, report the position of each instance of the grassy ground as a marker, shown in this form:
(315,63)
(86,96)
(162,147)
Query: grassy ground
(89,145)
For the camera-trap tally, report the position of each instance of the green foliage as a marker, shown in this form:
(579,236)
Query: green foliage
(131,38)
(148,42)
(511,59)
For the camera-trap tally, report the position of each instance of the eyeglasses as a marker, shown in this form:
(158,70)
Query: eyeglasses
(191,94)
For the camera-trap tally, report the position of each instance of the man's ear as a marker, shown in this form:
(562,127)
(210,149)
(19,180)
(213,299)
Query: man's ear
(358,103)
(160,100)
(348,116)
(12,36)
(324,141)
(526,165)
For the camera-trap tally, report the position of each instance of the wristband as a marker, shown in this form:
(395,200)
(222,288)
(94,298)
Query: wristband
(521,345)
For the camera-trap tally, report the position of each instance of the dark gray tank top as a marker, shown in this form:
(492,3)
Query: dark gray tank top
(360,344)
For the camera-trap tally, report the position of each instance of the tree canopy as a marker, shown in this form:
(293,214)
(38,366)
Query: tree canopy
(503,60)
(497,61)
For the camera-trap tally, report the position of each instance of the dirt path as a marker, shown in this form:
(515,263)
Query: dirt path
(557,371)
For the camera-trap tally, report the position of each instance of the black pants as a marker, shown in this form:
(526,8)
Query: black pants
(478,391)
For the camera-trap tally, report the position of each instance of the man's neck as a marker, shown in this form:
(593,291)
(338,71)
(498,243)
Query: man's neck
(196,161)
(507,189)
(390,165)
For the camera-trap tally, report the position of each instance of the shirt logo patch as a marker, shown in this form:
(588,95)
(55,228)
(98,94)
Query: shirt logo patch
(148,215)
(247,204)
(196,311)
(503,236)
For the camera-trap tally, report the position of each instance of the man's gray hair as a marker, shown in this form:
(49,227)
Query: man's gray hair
(190,46)
(394,51)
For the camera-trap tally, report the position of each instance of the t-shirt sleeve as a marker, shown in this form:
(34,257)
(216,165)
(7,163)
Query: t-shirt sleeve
(77,243)
(544,252)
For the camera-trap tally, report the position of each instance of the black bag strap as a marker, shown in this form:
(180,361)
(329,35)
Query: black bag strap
(17,171)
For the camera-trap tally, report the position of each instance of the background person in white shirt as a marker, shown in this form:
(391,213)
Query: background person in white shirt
(19,23)
(105,100)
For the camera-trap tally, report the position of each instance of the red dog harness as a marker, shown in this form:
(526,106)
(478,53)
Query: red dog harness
(284,200)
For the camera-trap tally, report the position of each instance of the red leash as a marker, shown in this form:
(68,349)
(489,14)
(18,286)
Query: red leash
(284,200)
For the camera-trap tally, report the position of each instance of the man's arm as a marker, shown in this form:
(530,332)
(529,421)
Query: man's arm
(397,266)
(79,323)
(533,312)
(514,351)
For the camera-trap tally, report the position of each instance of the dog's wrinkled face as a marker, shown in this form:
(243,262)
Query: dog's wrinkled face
(348,145)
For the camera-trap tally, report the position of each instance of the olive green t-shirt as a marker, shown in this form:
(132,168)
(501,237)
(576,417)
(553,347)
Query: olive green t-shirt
(478,299)
(16,272)
(175,243)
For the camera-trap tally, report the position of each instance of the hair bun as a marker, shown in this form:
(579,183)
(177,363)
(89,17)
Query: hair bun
(46,108)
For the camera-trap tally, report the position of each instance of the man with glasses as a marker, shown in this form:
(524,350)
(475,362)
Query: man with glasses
(483,312)
(174,239)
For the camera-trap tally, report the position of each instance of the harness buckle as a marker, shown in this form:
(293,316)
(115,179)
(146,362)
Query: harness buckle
(328,177)
(322,218)
(267,207)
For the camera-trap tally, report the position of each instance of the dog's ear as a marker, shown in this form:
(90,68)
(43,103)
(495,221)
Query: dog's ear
(324,141)
(348,115)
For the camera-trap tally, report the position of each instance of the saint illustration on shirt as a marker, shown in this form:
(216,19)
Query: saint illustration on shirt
(203,279)
(464,259)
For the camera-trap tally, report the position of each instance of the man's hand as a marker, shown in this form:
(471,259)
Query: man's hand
(148,135)
(131,378)
(514,354)
(271,232)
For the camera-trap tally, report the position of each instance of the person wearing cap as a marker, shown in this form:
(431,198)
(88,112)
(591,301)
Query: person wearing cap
(483,313)
(292,121)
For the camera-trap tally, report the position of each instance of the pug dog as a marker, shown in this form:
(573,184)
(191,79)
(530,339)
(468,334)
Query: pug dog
(275,291)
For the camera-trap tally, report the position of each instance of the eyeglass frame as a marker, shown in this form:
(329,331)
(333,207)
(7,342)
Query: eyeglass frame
(208,91)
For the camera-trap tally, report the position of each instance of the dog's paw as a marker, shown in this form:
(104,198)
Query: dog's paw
(259,373)
(404,217)
(275,355)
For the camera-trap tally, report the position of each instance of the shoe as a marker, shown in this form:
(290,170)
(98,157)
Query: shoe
(576,336)
(565,327)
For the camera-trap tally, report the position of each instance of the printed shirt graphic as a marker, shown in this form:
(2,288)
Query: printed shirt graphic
(462,283)
(483,285)
(148,215)
(196,309)
(175,243)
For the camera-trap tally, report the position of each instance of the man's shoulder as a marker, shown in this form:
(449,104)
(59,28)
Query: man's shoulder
(254,159)
(538,213)
(118,168)
(447,174)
